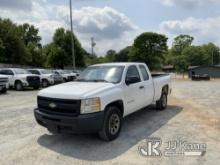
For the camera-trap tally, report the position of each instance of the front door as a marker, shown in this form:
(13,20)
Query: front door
(133,90)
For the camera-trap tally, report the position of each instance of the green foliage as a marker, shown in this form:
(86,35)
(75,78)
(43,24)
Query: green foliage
(181,42)
(149,48)
(62,50)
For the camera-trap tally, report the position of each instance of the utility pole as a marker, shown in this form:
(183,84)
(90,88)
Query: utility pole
(72,40)
(93,44)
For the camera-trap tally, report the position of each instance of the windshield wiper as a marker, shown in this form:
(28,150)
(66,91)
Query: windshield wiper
(101,80)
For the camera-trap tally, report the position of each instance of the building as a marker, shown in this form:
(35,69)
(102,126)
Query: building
(212,71)
(168,68)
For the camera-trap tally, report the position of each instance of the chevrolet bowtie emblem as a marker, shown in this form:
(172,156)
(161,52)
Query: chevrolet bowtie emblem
(52,105)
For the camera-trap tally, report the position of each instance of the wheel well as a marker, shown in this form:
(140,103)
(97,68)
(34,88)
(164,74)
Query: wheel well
(165,89)
(44,80)
(16,81)
(119,104)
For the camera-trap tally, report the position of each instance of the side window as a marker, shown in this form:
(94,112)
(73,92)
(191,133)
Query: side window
(9,72)
(144,72)
(34,72)
(132,75)
(6,72)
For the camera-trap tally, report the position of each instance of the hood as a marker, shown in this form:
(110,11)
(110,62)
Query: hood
(74,90)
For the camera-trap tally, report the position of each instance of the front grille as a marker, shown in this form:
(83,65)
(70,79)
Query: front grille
(71,78)
(65,107)
(3,80)
(33,80)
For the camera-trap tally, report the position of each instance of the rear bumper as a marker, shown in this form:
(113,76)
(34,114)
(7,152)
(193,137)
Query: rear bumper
(89,123)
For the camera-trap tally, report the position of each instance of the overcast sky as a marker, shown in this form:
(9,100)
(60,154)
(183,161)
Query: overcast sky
(115,23)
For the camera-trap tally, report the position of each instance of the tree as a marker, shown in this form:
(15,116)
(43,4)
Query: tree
(123,55)
(213,53)
(110,55)
(15,51)
(181,42)
(195,56)
(61,44)
(149,48)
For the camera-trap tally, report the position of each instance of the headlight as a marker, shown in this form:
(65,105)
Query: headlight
(90,105)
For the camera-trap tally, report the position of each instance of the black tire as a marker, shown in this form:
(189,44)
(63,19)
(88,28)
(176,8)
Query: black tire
(19,86)
(45,83)
(36,87)
(162,103)
(112,124)
(64,80)
(3,91)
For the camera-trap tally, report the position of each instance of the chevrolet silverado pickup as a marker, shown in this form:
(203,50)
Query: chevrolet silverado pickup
(20,78)
(100,98)
(66,74)
(47,77)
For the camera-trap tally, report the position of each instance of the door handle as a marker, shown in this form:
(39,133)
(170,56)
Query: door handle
(141,87)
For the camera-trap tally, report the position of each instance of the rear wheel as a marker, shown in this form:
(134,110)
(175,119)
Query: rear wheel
(112,124)
(18,86)
(45,83)
(162,103)
(4,90)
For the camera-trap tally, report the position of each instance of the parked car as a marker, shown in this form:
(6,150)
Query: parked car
(21,78)
(66,74)
(47,77)
(77,72)
(100,98)
(3,84)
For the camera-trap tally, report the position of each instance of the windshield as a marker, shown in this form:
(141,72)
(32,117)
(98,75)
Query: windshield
(46,72)
(21,71)
(111,74)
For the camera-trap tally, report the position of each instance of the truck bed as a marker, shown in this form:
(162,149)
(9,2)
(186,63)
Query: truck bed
(157,75)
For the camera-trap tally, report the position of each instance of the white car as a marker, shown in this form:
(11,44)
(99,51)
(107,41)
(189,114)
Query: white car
(102,96)
(21,78)
(3,84)
(66,74)
(46,76)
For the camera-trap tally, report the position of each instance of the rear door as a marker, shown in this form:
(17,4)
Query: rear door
(133,93)
(148,86)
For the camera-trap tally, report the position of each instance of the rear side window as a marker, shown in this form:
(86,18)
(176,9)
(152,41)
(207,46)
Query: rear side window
(133,72)
(144,72)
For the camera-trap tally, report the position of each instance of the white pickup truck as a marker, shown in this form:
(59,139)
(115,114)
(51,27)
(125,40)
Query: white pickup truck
(100,98)
(47,77)
(20,78)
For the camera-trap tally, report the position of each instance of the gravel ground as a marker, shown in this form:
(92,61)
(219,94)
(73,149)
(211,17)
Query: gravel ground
(192,115)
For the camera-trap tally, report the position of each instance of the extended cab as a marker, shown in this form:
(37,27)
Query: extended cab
(3,84)
(20,78)
(47,77)
(100,98)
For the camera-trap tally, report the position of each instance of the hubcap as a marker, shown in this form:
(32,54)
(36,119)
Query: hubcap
(114,124)
(164,100)
(18,86)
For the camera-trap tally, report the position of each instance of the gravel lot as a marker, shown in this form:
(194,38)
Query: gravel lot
(193,115)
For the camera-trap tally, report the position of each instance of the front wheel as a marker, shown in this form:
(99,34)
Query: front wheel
(18,86)
(162,103)
(112,124)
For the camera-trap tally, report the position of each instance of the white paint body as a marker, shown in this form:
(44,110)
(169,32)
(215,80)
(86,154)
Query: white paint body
(21,77)
(132,96)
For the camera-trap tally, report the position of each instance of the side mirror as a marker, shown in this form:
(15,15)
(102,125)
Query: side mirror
(132,80)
